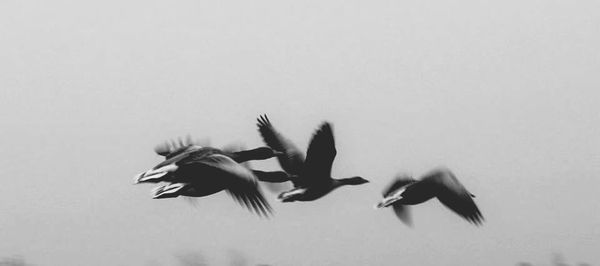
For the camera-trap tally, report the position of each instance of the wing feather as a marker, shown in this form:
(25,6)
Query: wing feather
(455,196)
(320,155)
(173,148)
(242,185)
(291,159)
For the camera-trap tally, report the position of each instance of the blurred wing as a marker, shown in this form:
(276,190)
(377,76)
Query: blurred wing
(228,166)
(231,150)
(173,148)
(234,147)
(242,185)
(182,156)
(455,196)
(403,213)
(292,158)
(320,154)
(275,181)
(399,182)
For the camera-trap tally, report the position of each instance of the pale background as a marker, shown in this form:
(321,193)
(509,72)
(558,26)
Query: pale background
(505,93)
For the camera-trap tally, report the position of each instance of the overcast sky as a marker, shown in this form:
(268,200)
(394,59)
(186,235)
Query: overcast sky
(505,93)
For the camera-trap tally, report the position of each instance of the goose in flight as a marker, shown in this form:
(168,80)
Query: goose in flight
(311,176)
(439,183)
(194,171)
(172,151)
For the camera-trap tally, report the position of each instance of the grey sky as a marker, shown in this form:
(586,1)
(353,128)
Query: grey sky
(505,93)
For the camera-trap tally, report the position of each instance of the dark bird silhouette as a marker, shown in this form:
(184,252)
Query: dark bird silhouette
(311,176)
(194,171)
(440,183)
(173,151)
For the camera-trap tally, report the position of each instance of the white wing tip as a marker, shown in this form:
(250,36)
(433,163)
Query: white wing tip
(167,190)
(154,174)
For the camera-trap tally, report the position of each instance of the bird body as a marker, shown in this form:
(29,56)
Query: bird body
(439,183)
(311,176)
(196,171)
(414,193)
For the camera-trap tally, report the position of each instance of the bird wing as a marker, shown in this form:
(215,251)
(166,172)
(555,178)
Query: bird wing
(403,213)
(454,195)
(233,148)
(399,182)
(241,183)
(320,154)
(185,155)
(173,148)
(291,159)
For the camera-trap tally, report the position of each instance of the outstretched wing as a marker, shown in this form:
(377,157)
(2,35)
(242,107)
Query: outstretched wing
(454,195)
(241,183)
(291,159)
(320,155)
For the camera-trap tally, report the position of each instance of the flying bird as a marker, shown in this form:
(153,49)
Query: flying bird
(439,183)
(195,171)
(173,151)
(311,176)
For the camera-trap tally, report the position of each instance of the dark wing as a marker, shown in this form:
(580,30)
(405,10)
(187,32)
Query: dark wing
(403,213)
(320,155)
(400,181)
(454,195)
(292,158)
(241,183)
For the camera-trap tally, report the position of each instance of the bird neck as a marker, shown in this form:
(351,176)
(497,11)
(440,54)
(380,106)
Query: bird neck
(350,181)
(341,182)
(247,155)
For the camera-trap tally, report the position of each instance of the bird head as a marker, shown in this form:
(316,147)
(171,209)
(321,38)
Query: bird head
(356,180)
